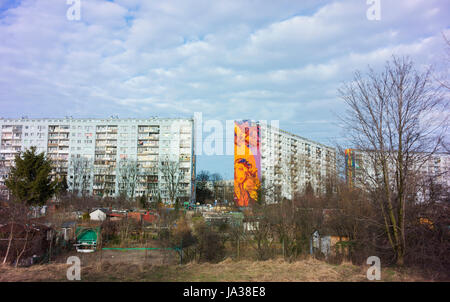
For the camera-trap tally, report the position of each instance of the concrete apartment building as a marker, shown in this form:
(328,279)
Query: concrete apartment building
(95,154)
(289,162)
(361,172)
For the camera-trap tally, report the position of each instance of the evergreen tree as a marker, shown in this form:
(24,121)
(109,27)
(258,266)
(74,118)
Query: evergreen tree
(29,180)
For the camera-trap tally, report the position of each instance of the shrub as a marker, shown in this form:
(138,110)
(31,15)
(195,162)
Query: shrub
(210,247)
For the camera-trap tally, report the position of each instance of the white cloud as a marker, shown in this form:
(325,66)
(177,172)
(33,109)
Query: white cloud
(247,59)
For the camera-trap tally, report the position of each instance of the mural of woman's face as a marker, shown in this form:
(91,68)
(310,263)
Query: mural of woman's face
(240,173)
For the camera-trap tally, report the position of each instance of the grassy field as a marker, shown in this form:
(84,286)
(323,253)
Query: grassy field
(228,270)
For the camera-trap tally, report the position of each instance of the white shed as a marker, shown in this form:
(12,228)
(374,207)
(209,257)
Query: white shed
(98,215)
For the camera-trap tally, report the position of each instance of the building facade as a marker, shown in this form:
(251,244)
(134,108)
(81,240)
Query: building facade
(290,162)
(280,162)
(362,172)
(107,157)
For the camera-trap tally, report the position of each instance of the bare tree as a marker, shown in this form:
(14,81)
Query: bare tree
(216,179)
(266,192)
(128,177)
(396,116)
(23,238)
(81,175)
(171,179)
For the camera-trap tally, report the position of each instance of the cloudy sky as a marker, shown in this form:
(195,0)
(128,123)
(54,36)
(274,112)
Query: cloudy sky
(269,60)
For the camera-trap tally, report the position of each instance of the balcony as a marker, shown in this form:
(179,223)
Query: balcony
(7,129)
(149,137)
(149,129)
(185,158)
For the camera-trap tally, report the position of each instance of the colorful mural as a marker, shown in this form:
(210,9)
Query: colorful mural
(247,163)
(350,166)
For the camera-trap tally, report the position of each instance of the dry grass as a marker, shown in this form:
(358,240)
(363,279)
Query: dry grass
(51,272)
(228,270)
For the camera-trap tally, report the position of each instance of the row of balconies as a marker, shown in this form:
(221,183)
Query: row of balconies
(150,129)
(7,145)
(105,158)
(6,128)
(110,131)
(63,163)
(147,165)
(185,157)
(7,136)
(145,151)
(56,128)
(147,158)
(105,148)
(148,181)
(58,151)
(108,170)
(11,128)
(58,136)
(148,136)
(148,143)
(55,157)
(109,163)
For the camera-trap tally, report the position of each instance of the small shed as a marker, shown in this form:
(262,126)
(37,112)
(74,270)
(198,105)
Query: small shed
(328,243)
(98,215)
(68,229)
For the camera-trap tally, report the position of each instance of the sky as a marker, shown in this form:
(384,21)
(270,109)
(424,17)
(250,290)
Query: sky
(234,59)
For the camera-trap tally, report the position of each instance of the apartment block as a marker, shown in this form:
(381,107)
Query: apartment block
(362,172)
(107,157)
(290,162)
(281,162)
